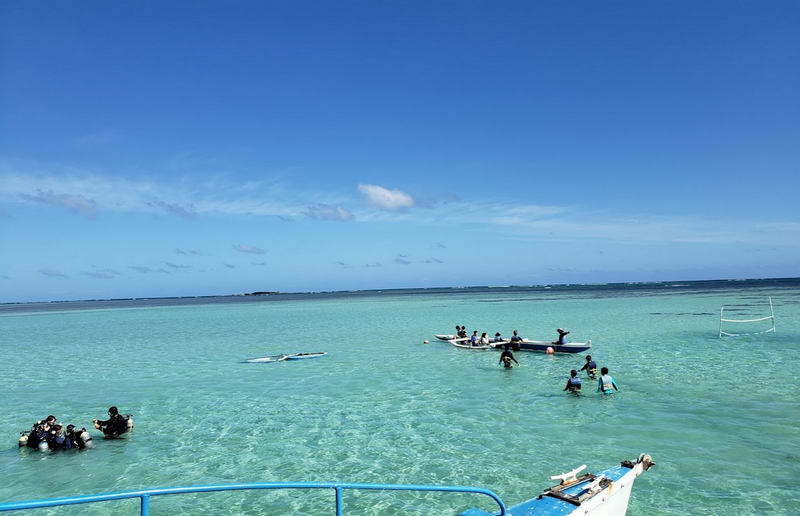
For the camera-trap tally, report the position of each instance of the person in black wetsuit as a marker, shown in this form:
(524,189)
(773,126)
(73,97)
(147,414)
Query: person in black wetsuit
(515,340)
(114,426)
(507,357)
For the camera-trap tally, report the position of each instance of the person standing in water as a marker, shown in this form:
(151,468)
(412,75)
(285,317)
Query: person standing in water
(606,383)
(515,340)
(590,367)
(114,426)
(507,357)
(574,382)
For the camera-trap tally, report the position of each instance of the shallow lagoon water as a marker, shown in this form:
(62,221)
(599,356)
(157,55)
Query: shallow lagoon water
(720,416)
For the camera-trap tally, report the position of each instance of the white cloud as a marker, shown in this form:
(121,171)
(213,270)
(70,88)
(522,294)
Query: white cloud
(379,197)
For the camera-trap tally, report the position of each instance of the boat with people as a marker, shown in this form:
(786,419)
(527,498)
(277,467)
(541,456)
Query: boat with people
(466,344)
(285,356)
(606,493)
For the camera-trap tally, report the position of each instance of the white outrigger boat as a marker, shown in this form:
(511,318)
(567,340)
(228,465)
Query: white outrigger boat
(290,356)
(606,493)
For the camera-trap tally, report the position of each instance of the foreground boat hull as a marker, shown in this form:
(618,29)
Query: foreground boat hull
(606,494)
(610,496)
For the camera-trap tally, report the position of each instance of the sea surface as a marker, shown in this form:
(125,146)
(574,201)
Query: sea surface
(719,415)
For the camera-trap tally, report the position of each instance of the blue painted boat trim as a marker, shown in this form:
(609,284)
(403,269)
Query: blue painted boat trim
(144,495)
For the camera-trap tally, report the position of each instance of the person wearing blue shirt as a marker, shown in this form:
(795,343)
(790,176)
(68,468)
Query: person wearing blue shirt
(606,383)
(562,337)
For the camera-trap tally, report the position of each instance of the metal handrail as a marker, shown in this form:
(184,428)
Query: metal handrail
(144,495)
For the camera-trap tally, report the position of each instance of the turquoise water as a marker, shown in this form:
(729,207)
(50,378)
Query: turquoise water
(720,416)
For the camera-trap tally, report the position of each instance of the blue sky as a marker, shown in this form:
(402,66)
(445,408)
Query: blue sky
(173,148)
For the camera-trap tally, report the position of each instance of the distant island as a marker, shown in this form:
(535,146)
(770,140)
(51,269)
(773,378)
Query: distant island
(262,293)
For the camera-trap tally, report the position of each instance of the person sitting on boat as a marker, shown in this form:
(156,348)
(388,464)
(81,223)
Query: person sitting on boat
(462,333)
(484,339)
(606,383)
(507,357)
(475,340)
(562,337)
(515,341)
(497,337)
(574,382)
(590,367)
(114,426)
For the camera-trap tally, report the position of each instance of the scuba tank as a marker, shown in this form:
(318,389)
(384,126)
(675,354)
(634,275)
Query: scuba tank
(84,436)
(23,439)
(130,421)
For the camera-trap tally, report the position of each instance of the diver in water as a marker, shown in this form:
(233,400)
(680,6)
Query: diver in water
(114,426)
(42,431)
(77,438)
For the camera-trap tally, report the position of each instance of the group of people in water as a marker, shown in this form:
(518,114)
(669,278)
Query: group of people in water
(605,383)
(49,434)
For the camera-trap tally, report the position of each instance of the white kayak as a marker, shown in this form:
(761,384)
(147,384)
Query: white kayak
(290,356)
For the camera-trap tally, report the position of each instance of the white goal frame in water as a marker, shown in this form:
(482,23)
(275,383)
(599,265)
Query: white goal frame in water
(770,317)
